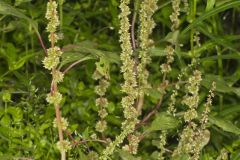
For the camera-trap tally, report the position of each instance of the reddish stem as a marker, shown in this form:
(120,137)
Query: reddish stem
(41,42)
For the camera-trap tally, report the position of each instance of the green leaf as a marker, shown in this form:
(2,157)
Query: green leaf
(205,139)
(7,9)
(19,2)
(224,125)
(86,51)
(18,64)
(172,37)
(210,5)
(157,51)
(181,157)
(6,96)
(16,113)
(229,109)
(211,44)
(70,57)
(103,67)
(4,132)
(218,40)
(61,2)
(210,13)
(11,55)
(221,84)
(228,56)
(164,121)
(126,155)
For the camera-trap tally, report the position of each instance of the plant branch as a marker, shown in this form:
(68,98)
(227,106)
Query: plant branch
(136,7)
(133,30)
(41,42)
(82,141)
(156,108)
(150,114)
(71,137)
(71,66)
(140,104)
(54,89)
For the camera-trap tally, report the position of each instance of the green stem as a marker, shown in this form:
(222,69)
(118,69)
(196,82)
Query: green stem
(192,43)
(233,21)
(61,13)
(3,35)
(32,49)
(193,15)
(194,8)
(220,62)
(27,64)
(219,59)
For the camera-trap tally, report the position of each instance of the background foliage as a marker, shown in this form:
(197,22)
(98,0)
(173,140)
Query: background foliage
(90,30)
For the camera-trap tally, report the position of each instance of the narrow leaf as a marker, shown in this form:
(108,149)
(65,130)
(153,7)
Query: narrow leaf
(210,13)
(224,125)
(164,121)
(7,9)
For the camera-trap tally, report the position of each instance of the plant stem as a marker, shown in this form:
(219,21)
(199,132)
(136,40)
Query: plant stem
(136,6)
(61,13)
(71,66)
(41,42)
(192,43)
(54,90)
(193,14)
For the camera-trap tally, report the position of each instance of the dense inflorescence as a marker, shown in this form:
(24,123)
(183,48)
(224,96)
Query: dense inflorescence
(191,100)
(166,68)
(163,142)
(223,155)
(174,17)
(101,74)
(148,8)
(194,136)
(170,49)
(130,83)
(51,62)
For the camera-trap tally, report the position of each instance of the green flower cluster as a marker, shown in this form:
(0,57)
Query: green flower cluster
(171,110)
(194,137)
(50,62)
(163,141)
(129,75)
(132,147)
(55,98)
(166,67)
(64,145)
(223,155)
(169,50)
(187,141)
(186,6)
(53,59)
(64,123)
(102,75)
(196,38)
(192,99)
(128,128)
(208,104)
(130,83)
(52,17)
(174,17)
(148,8)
